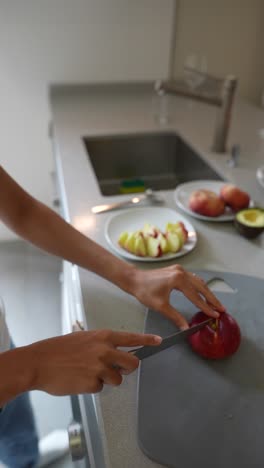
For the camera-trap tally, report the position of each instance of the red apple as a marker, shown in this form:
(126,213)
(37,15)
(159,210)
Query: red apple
(206,203)
(234,197)
(217,340)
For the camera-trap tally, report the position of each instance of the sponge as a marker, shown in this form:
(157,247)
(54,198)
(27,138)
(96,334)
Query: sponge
(132,186)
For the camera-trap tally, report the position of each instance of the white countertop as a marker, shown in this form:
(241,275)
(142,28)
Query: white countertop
(80,111)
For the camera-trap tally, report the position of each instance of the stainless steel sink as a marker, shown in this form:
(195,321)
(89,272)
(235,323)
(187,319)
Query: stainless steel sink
(160,161)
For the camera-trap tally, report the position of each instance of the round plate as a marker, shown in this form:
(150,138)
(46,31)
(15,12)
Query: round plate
(135,218)
(183,192)
(260,176)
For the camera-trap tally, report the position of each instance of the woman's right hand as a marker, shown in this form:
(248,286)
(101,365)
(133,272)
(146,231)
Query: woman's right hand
(82,362)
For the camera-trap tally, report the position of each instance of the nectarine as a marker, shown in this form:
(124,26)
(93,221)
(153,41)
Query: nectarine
(234,197)
(206,203)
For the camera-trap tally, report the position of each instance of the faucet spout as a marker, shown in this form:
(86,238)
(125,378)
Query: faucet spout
(223,99)
(223,121)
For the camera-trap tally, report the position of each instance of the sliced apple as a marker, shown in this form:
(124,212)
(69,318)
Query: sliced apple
(184,231)
(122,238)
(150,230)
(174,242)
(139,245)
(171,226)
(130,242)
(180,229)
(153,247)
(151,241)
(164,245)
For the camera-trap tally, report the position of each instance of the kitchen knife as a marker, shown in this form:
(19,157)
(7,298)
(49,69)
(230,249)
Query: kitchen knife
(146,351)
(148,195)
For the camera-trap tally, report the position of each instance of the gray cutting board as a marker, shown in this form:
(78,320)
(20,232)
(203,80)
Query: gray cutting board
(194,413)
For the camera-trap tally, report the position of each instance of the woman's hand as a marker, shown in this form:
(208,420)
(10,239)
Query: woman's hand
(82,362)
(153,288)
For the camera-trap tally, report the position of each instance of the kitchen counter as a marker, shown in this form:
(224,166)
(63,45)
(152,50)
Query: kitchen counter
(94,110)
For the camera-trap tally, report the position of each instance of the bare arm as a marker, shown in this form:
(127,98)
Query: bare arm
(43,227)
(38,224)
(85,361)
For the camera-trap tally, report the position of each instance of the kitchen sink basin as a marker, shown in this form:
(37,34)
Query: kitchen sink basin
(160,161)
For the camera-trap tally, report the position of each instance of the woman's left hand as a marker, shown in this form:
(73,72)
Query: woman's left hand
(153,287)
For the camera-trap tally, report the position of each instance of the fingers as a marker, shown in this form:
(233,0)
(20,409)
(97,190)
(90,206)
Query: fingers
(134,339)
(207,293)
(174,315)
(119,362)
(111,376)
(125,361)
(96,387)
(191,293)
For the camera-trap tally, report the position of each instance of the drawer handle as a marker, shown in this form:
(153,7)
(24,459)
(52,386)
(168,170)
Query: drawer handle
(76,441)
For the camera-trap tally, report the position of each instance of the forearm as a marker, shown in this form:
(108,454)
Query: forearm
(17,373)
(45,229)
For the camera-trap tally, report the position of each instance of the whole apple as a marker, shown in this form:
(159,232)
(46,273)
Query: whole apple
(206,203)
(217,340)
(233,196)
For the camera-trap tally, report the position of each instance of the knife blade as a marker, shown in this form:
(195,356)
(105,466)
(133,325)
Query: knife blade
(147,351)
(113,206)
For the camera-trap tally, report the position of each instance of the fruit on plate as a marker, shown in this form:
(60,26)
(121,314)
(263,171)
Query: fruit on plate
(163,242)
(140,246)
(174,241)
(206,203)
(217,340)
(153,247)
(122,238)
(150,241)
(234,197)
(150,230)
(130,242)
(180,229)
(250,222)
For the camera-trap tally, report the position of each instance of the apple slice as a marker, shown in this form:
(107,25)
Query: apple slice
(164,245)
(184,231)
(180,229)
(153,246)
(174,242)
(122,238)
(149,230)
(130,242)
(172,226)
(139,245)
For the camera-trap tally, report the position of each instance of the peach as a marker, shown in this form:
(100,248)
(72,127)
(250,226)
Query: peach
(206,203)
(234,197)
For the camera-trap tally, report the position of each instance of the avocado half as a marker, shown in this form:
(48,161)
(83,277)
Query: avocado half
(250,222)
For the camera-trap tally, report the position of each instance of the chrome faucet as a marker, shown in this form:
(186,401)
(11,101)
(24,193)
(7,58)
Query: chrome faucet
(215,91)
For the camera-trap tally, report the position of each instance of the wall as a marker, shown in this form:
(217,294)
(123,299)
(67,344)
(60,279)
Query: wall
(48,41)
(230,34)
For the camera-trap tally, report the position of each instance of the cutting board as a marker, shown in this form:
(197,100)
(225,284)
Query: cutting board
(195,413)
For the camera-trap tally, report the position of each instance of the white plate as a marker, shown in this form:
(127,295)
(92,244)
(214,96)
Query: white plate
(260,176)
(183,192)
(135,218)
